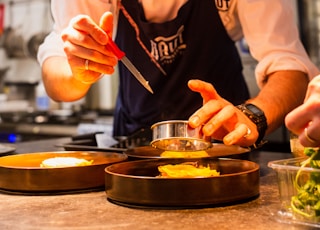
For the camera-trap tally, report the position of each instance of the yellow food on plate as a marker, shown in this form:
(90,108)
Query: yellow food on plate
(186,170)
(58,162)
(184,154)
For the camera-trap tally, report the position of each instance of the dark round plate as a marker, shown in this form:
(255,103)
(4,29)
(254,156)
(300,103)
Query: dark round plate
(136,183)
(22,172)
(217,150)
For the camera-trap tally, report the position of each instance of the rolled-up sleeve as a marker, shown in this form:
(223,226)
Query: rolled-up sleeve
(270,29)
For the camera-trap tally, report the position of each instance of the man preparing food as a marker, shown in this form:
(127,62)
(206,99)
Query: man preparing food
(171,42)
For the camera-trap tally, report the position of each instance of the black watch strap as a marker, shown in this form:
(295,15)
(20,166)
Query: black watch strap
(256,115)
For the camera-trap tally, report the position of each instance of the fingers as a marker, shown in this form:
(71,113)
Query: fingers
(86,25)
(297,119)
(227,125)
(241,135)
(99,60)
(225,117)
(82,31)
(225,122)
(220,119)
(208,110)
(102,65)
(313,88)
(106,23)
(300,117)
(81,69)
(85,40)
(305,122)
(310,137)
(212,102)
(206,90)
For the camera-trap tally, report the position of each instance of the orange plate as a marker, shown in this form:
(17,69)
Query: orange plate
(23,173)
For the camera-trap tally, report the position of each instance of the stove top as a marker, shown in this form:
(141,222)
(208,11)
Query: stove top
(46,124)
(66,117)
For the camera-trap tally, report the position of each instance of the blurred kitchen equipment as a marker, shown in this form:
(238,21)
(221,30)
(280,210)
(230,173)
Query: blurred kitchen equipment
(25,25)
(2,7)
(309,23)
(177,135)
(3,72)
(34,42)
(90,141)
(22,35)
(14,43)
(19,46)
(6,149)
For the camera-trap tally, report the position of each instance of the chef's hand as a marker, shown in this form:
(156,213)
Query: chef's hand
(305,119)
(220,119)
(85,47)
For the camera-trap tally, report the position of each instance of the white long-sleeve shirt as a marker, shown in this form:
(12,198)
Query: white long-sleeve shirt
(269,27)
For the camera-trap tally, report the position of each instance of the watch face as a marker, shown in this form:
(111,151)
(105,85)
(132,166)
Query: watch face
(254,109)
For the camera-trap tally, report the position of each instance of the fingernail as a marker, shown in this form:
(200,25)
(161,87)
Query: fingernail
(195,120)
(208,129)
(228,140)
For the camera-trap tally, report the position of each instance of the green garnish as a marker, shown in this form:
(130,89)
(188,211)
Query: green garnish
(307,200)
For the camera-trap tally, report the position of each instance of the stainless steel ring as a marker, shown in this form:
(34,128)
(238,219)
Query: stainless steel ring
(177,135)
(310,139)
(86,64)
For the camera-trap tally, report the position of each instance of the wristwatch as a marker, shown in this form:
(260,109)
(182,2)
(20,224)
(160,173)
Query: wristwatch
(256,115)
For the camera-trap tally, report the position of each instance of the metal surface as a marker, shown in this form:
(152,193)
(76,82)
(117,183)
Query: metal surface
(136,73)
(89,142)
(136,183)
(122,57)
(5,149)
(23,172)
(177,135)
(217,150)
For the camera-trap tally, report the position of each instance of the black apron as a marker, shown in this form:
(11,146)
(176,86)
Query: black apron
(195,45)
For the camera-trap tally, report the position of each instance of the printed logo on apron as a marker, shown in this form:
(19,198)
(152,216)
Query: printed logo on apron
(223,5)
(165,49)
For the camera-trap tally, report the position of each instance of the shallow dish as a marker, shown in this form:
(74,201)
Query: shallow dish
(216,150)
(286,172)
(23,173)
(137,183)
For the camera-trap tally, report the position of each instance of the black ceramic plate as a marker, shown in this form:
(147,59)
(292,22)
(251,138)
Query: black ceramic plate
(136,183)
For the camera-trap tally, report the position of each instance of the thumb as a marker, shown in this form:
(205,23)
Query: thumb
(106,23)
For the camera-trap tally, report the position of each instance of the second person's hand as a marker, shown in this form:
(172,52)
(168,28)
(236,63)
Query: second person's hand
(304,121)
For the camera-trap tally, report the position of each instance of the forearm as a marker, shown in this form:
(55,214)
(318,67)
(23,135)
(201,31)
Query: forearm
(59,82)
(283,92)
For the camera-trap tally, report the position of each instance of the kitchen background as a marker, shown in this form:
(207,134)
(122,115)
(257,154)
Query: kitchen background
(26,112)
